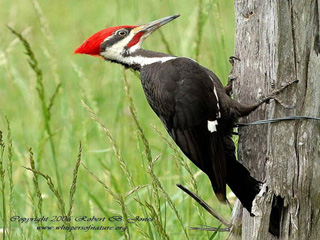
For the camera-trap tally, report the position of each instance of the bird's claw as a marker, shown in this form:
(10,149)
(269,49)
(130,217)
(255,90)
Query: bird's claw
(228,87)
(232,58)
(231,78)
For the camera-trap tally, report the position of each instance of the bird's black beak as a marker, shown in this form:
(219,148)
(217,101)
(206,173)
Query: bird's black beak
(152,26)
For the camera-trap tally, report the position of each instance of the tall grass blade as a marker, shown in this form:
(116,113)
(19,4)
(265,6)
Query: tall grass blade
(45,29)
(217,15)
(166,197)
(184,164)
(134,190)
(41,93)
(157,220)
(9,171)
(37,192)
(73,188)
(86,88)
(52,187)
(203,12)
(55,191)
(97,201)
(133,110)
(200,25)
(3,185)
(117,152)
(214,234)
(117,198)
(55,93)
(115,147)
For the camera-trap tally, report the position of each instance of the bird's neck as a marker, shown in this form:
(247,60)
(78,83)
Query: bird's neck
(140,58)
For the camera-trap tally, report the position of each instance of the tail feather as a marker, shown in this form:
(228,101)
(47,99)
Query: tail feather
(241,183)
(239,179)
(245,187)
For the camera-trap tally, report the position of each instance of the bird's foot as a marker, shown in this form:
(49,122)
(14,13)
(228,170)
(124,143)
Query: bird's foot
(232,58)
(273,95)
(231,78)
(228,87)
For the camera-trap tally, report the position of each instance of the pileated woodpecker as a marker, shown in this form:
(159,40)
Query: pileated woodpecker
(190,100)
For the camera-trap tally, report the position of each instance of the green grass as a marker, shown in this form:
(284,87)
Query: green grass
(126,164)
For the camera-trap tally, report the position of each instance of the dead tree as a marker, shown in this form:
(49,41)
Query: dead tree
(278,41)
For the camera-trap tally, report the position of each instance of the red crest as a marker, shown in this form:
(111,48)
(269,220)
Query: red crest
(91,46)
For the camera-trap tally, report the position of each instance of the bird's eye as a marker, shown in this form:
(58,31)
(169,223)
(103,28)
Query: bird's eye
(122,32)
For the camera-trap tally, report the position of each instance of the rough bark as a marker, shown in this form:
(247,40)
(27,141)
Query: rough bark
(278,41)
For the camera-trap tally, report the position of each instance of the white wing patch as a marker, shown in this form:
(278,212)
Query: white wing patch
(212,125)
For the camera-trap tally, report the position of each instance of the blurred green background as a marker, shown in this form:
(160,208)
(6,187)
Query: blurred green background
(205,31)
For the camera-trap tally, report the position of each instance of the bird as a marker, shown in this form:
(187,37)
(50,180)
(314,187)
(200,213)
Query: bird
(190,100)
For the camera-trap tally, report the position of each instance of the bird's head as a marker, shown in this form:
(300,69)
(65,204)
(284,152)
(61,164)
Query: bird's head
(115,43)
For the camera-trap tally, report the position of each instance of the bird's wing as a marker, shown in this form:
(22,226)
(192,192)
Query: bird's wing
(194,105)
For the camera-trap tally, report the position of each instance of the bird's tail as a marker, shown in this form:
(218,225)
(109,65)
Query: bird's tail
(241,183)
(239,179)
(245,187)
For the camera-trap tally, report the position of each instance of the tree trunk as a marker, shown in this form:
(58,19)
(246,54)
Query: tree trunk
(278,41)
